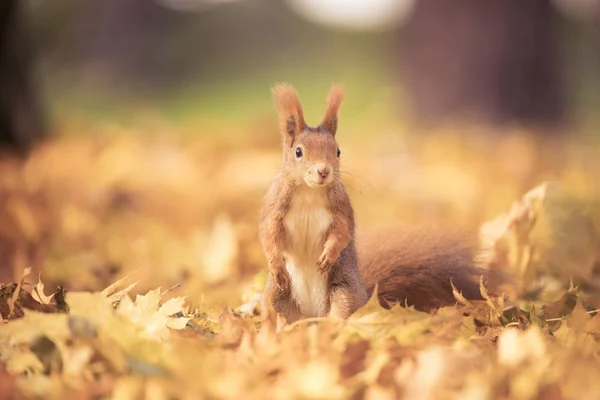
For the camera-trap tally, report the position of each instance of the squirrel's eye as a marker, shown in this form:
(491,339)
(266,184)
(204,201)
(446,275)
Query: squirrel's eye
(298,152)
(339,152)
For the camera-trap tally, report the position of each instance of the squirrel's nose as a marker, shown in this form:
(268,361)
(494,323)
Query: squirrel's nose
(324,171)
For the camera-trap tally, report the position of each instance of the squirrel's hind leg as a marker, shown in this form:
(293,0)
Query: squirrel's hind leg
(278,301)
(345,299)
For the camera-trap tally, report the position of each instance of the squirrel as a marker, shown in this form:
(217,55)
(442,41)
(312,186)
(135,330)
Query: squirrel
(317,266)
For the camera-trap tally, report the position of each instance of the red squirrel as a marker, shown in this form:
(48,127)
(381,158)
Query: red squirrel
(317,267)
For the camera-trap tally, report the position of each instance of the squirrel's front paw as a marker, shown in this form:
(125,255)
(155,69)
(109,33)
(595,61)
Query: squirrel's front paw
(326,261)
(282,279)
(280,275)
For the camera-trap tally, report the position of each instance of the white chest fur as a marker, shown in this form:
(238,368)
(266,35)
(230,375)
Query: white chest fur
(306,225)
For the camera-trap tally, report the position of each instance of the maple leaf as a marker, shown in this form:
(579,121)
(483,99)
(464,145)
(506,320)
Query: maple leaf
(137,330)
(374,321)
(154,318)
(541,344)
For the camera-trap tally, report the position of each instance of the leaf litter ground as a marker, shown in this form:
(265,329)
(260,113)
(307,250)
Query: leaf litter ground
(134,339)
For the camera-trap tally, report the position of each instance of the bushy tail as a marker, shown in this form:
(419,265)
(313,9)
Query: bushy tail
(415,266)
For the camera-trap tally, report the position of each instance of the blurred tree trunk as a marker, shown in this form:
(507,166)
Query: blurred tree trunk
(20,117)
(497,60)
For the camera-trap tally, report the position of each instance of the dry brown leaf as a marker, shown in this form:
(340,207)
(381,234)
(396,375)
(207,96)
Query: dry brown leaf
(38,293)
(458,295)
(121,218)
(15,295)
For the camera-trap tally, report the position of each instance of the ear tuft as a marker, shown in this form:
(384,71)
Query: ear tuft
(291,118)
(334,101)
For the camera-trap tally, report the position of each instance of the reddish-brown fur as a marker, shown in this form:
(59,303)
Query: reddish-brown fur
(414,266)
(338,261)
(410,266)
(334,101)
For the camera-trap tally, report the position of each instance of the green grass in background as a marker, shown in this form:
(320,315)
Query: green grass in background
(204,105)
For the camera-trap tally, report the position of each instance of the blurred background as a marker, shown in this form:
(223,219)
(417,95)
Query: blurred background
(139,135)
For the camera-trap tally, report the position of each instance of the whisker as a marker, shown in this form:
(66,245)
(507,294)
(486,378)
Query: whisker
(351,183)
(355,174)
(361,180)
(353,188)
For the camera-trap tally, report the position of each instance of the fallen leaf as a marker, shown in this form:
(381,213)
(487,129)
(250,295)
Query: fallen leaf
(458,295)
(38,293)
(15,295)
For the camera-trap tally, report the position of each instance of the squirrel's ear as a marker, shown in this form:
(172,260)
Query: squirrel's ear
(291,119)
(334,101)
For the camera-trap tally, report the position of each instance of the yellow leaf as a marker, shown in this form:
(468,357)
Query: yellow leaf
(147,304)
(177,323)
(372,306)
(129,326)
(404,324)
(172,306)
(468,327)
(406,333)
(154,320)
